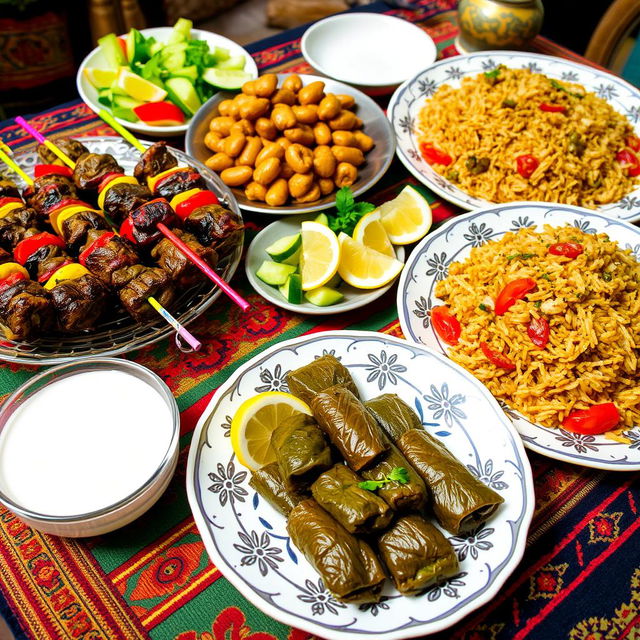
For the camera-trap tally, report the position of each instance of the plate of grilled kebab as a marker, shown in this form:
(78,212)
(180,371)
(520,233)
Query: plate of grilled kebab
(81,256)
(396,503)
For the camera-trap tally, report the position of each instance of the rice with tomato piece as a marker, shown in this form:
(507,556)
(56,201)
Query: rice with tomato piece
(494,139)
(591,304)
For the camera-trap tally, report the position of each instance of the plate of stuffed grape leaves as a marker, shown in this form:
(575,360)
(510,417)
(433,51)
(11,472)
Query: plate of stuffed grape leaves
(352,484)
(77,276)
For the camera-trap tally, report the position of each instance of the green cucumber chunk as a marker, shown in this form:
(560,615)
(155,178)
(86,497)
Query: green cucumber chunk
(323,296)
(185,72)
(112,51)
(105,97)
(183,26)
(182,93)
(225,78)
(322,219)
(274,273)
(126,102)
(292,288)
(284,248)
(233,63)
(137,50)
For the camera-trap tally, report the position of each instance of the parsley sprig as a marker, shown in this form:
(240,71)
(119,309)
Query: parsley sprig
(348,212)
(556,85)
(398,474)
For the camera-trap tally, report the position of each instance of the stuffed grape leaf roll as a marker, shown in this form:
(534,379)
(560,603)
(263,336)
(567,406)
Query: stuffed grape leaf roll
(347,565)
(416,554)
(349,426)
(319,375)
(393,414)
(460,501)
(302,451)
(268,483)
(412,496)
(356,509)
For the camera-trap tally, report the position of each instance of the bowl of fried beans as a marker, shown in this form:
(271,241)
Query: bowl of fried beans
(286,142)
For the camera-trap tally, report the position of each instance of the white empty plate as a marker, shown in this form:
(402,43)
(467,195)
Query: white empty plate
(368,50)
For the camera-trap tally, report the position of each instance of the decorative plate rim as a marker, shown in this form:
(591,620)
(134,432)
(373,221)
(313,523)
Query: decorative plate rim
(199,439)
(453,194)
(404,315)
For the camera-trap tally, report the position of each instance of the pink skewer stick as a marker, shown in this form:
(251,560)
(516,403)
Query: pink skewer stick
(204,267)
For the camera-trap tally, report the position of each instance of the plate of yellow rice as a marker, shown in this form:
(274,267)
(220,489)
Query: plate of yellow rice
(505,126)
(541,303)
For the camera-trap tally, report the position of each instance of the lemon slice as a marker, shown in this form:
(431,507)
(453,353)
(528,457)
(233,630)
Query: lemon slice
(100,78)
(364,267)
(254,423)
(320,255)
(370,232)
(407,217)
(139,88)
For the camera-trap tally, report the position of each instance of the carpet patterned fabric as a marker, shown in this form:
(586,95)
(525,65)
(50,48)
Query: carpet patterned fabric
(579,578)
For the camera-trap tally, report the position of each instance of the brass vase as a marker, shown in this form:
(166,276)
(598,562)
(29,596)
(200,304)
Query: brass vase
(498,24)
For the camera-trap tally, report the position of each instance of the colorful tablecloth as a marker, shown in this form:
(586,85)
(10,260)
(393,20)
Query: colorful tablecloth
(579,578)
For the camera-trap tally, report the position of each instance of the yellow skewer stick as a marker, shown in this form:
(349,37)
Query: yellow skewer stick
(14,167)
(42,140)
(127,135)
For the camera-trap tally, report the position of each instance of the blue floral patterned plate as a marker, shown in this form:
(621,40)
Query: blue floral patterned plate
(429,262)
(409,98)
(247,539)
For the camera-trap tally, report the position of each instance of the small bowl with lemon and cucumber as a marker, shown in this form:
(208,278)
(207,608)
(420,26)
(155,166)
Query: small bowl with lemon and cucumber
(340,260)
(154,80)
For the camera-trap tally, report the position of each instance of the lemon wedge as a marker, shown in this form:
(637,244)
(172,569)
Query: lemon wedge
(320,255)
(363,267)
(139,88)
(370,232)
(254,423)
(100,78)
(407,218)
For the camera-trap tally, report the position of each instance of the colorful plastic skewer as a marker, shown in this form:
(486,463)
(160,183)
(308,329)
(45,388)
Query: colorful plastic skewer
(191,340)
(203,266)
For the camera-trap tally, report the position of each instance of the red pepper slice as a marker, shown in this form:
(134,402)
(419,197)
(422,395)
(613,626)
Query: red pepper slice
(433,155)
(445,324)
(566,249)
(630,161)
(52,170)
(497,358)
(160,114)
(126,231)
(186,208)
(552,108)
(9,281)
(512,292)
(27,247)
(526,165)
(596,419)
(107,179)
(100,241)
(8,200)
(633,142)
(45,276)
(538,331)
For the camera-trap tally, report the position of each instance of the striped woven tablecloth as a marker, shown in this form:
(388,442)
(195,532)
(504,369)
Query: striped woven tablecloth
(579,578)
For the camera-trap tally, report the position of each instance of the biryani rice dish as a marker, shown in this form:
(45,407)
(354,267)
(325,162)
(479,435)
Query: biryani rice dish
(589,304)
(510,134)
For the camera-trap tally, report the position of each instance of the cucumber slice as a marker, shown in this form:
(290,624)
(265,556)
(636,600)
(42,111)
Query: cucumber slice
(124,113)
(292,288)
(185,72)
(136,47)
(274,273)
(183,26)
(126,102)
(174,60)
(323,296)
(225,78)
(182,93)
(234,63)
(111,50)
(322,219)
(105,97)
(156,47)
(220,54)
(285,248)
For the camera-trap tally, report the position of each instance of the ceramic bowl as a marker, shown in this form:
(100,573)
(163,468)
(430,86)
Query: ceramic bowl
(130,507)
(95,59)
(370,51)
